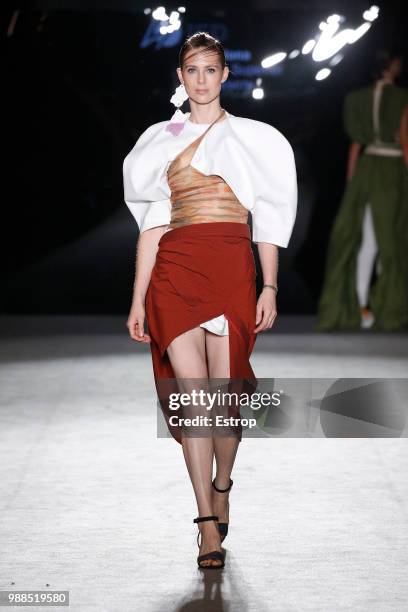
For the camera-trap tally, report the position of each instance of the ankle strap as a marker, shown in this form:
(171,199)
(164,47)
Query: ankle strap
(223,490)
(199,519)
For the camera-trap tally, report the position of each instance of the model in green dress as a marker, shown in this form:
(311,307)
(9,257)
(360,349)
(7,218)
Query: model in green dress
(375,118)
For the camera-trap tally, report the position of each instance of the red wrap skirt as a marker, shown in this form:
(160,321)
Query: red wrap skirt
(202,270)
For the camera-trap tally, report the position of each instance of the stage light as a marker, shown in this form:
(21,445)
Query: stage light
(174,22)
(160,14)
(147,11)
(372,13)
(181,9)
(334,19)
(359,32)
(331,41)
(258,93)
(308,46)
(294,54)
(272,60)
(322,74)
(336,59)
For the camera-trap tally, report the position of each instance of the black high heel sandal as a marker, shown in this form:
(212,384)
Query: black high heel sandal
(214,554)
(223,527)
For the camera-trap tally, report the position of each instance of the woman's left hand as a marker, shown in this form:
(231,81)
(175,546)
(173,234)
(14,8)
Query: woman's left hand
(265,310)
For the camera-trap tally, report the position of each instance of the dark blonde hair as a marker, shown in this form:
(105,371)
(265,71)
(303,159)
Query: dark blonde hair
(202,39)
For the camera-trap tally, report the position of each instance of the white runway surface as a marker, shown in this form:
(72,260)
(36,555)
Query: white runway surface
(93,503)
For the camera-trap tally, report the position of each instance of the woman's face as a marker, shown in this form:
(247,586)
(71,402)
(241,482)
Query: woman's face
(202,75)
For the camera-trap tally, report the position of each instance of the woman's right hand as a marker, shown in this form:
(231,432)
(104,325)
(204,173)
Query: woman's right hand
(135,323)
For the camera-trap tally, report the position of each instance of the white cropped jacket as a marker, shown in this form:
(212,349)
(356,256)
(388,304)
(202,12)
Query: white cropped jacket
(254,158)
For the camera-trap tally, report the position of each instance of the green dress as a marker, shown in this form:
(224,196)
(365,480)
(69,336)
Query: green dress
(381,181)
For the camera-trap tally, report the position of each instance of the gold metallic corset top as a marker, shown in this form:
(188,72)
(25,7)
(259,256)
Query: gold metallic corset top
(197,197)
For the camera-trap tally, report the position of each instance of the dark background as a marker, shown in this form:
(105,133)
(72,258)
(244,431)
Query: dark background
(79,90)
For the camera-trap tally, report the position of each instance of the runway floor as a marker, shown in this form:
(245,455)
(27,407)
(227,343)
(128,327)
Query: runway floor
(93,503)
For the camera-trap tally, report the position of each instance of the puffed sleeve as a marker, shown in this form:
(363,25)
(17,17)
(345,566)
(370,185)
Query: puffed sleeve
(146,191)
(276,191)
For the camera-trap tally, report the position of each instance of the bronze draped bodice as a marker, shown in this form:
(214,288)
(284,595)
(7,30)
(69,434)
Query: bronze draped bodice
(197,197)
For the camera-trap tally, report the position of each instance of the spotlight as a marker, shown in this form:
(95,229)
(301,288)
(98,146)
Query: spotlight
(372,13)
(336,59)
(258,93)
(160,14)
(294,54)
(272,60)
(308,46)
(322,74)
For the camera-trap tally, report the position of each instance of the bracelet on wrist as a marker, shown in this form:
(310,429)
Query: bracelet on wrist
(272,287)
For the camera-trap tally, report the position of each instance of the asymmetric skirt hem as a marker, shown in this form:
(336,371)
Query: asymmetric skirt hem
(202,271)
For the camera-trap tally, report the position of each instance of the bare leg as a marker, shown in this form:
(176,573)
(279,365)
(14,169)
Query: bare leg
(187,354)
(225,447)
(365,257)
